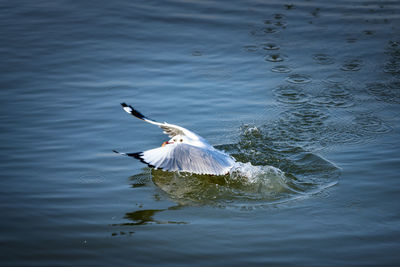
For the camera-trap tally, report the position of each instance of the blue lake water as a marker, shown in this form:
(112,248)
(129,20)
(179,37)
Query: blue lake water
(305,94)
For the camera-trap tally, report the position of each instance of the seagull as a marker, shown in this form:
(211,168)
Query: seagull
(184,152)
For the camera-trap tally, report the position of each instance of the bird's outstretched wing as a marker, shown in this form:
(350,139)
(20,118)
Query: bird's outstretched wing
(170,129)
(186,158)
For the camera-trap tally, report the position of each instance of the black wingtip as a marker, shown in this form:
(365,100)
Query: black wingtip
(134,155)
(134,112)
(138,156)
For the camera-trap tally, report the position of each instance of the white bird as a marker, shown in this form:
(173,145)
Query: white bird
(185,151)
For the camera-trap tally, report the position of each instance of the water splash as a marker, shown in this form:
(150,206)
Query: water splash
(265,173)
(392,66)
(334,96)
(352,65)
(290,94)
(269,30)
(275,57)
(335,79)
(387,92)
(250,48)
(246,184)
(299,78)
(324,59)
(261,180)
(281,69)
(270,46)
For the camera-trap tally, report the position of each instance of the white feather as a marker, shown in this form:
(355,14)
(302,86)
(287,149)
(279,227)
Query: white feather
(188,158)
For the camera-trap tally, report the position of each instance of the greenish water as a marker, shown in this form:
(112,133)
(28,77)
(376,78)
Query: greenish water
(305,95)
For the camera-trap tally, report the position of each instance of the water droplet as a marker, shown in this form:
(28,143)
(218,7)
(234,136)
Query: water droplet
(334,95)
(299,78)
(335,78)
(270,46)
(279,16)
(352,65)
(392,66)
(386,92)
(281,24)
(343,134)
(315,12)
(368,32)
(324,59)
(257,32)
(275,58)
(371,124)
(310,116)
(351,39)
(289,6)
(250,48)
(270,30)
(197,53)
(281,69)
(301,124)
(290,94)
(393,45)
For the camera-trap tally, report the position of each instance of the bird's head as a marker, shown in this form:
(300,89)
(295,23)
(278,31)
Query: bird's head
(177,139)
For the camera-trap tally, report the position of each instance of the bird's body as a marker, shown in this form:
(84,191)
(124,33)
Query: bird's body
(185,151)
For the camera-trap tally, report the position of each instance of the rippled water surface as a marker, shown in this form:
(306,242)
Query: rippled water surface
(304,95)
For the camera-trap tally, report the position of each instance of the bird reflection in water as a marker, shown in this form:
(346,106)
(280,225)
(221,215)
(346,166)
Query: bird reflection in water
(143,217)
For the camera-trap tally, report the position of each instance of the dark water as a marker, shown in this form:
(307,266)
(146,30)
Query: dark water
(304,94)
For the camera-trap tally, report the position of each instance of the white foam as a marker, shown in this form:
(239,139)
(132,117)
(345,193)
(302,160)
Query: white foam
(259,180)
(254,173)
